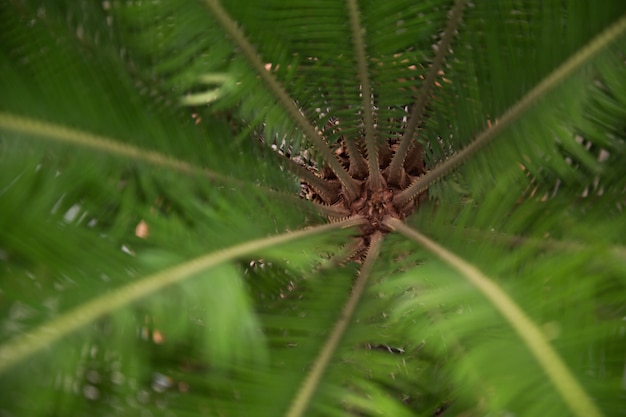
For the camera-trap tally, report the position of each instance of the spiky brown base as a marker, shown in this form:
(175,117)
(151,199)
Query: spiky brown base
(371,203)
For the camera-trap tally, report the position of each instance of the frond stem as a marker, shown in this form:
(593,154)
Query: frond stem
(321,186)
(25,345)
(417,113)
(312,134)
(514,113)
(304,395)
(571,391)
(65,135)
(375,176)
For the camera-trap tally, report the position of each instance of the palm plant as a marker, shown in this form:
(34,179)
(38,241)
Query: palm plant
(298,208)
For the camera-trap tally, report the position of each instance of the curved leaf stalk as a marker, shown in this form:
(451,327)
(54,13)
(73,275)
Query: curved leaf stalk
(313,135)
(321,186)
(22,347)
(572,393)
(305,393)
(66,135)
(375,177)
(575,62)
(417,113)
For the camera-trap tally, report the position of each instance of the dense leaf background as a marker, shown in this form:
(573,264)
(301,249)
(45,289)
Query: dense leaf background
(139,139)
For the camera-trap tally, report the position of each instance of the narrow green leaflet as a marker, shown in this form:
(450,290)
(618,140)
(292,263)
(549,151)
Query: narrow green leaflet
(572,393)
(26,345)
(200,204)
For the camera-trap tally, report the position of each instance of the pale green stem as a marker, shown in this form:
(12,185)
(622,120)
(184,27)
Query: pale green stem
(60,134)
(65,135)
(312,134)
(22,347)
(575,62)
(367,106)
(417,113)
(572,393)
(305,393)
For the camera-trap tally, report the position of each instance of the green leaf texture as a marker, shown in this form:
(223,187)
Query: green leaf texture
(157,257)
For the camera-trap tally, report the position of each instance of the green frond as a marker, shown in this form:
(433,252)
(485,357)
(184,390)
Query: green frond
(47,78)
(367,106)
(25,346)
(536,342)
(302,399)
(239,39)
(495,370)
(22,126)
(156,257)
(601,43)
(419,107)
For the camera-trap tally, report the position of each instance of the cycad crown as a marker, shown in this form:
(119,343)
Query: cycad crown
(396,208)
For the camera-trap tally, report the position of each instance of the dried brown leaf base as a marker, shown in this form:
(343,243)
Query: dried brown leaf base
(371,203)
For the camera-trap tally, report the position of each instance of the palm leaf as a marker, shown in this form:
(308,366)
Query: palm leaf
(157,258)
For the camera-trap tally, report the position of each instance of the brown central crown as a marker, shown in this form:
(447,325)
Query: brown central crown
(373,204)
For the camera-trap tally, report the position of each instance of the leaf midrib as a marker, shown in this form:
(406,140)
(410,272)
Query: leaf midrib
(22,347)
